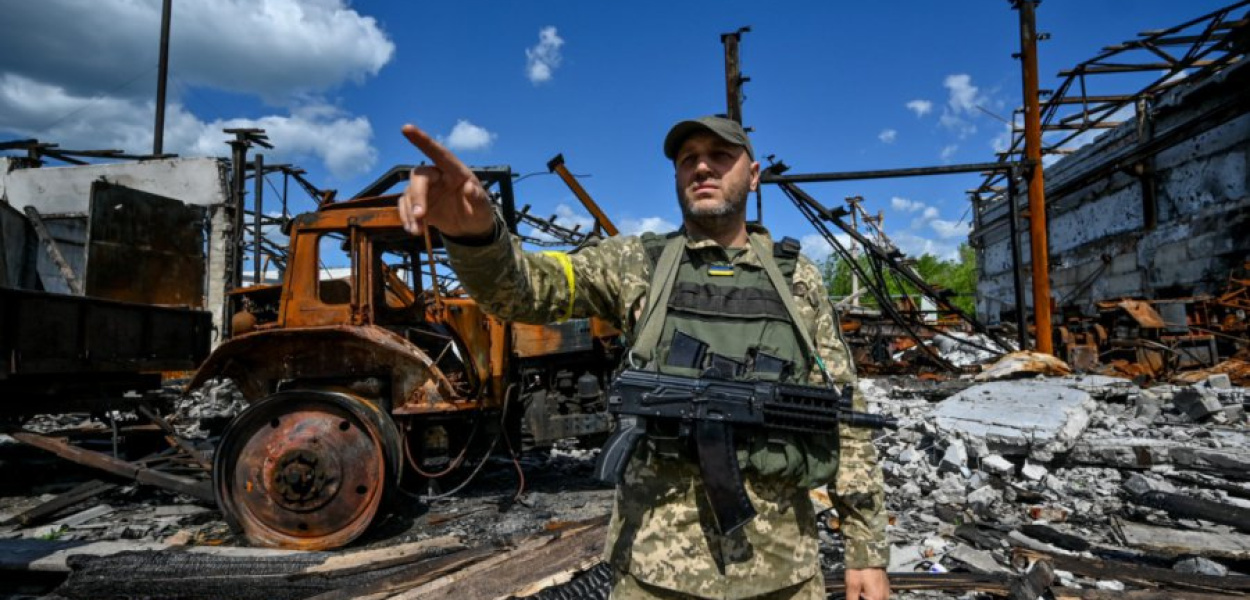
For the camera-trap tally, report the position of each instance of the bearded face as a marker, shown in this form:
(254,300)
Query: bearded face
(713,179)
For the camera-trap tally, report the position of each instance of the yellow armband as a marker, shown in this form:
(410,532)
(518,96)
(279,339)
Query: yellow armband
(564,261)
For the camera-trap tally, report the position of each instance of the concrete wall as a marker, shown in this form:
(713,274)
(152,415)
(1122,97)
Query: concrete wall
(1102,242)
(65,193)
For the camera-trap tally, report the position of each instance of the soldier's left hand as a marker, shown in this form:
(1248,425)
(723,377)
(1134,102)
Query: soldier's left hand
(870,584)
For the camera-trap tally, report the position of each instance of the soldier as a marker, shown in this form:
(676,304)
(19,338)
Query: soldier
(662,541)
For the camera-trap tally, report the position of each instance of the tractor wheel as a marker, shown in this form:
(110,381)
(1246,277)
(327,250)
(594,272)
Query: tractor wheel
(306,469)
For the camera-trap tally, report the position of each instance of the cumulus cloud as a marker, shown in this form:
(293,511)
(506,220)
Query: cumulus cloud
(950,229)
(541,60)
(466,136)
(905,205)
(29,108)
(915,245)
(948,152)
(274,48)
(920,107)
(284,52)
(630,226)
(887,136)
(963,98)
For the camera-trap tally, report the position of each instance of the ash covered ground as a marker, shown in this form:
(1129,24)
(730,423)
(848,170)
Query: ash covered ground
(979,475)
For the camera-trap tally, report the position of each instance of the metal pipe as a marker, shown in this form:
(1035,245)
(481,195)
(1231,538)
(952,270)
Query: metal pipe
(257,212)
(158,131)
(1017,270)
(773,177)
(556,165)
(1038,247)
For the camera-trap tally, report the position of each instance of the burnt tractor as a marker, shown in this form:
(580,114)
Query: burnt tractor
(355,377)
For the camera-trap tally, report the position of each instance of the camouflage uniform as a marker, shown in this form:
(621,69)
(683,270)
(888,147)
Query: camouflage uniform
(662,538)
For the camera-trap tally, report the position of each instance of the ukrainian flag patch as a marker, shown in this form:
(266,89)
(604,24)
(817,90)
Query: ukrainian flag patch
(721,270)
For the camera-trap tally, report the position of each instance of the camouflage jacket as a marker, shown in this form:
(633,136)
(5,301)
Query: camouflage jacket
(657,533)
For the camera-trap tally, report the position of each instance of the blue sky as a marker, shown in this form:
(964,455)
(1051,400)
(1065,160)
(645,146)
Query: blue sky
(834,86)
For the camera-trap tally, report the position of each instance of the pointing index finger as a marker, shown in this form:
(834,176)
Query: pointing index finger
(440,156)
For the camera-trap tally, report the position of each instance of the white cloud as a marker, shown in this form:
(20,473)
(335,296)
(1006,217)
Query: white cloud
(916,246)
(905,205)
(1002,141)
(920,107)
(318,131)
(957,124)
(285,52)
(636,226)
(817,248)
(887,136)
(278,49)
(950,229)
(964,96)
(930,212)
(466,136)
(542,60)
(948,152)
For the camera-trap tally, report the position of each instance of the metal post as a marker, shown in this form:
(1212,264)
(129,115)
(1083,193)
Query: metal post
(854,202)
(733,77)
(238,151)
(1017,272)
(1038,248)
(158,132)
(257,213)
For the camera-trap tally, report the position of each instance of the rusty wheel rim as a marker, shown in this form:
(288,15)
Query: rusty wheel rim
(305,469)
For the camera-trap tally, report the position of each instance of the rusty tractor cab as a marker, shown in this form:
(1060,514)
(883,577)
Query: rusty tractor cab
(350,374)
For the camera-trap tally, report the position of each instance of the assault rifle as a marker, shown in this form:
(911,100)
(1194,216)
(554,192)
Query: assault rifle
(706,410)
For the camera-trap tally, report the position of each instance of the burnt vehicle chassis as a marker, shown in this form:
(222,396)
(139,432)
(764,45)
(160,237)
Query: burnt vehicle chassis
(354,379)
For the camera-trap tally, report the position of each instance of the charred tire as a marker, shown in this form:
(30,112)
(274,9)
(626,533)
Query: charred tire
(306,469)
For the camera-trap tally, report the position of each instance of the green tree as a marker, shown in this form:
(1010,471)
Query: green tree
(958,275)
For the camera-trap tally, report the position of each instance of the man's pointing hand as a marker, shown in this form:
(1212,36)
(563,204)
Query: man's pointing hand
(445,195)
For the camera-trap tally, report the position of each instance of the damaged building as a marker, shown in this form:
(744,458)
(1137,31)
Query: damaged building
(1155,209)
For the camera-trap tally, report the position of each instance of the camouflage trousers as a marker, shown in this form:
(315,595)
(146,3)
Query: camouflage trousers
(627,587)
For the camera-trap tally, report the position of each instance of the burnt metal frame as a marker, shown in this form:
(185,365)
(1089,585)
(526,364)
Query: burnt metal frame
(818,215)
(1207,37)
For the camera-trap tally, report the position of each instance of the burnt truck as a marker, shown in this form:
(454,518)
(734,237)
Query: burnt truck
(358,377)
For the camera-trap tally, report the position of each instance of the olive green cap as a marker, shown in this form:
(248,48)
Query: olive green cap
(724,128)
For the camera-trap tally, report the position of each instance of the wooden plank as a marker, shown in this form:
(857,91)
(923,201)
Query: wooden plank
(1136,574)
(1180,506)
(381,558)
(1175,542)
(508,573)
(51,556)
(37,514)
(183,485)
(1083,594)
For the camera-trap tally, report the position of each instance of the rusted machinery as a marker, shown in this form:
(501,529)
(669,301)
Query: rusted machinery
(350,375)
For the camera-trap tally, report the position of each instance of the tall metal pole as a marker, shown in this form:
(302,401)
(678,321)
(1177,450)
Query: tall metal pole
(1017,272)
(258,212)
(158,131)
(1038,247)
(733,77)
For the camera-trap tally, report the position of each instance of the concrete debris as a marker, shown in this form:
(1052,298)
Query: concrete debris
(1014,418)
(1201,566)
(1199,402)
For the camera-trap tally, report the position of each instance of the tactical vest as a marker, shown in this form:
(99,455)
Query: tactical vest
(735,309)
(738,313)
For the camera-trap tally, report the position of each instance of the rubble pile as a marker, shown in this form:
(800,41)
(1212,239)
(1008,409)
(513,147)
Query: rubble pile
(1072,470)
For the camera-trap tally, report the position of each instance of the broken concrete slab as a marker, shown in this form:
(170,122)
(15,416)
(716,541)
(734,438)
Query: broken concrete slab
(1198,402)
(1232,458)
(1018,418)
(1178,542)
